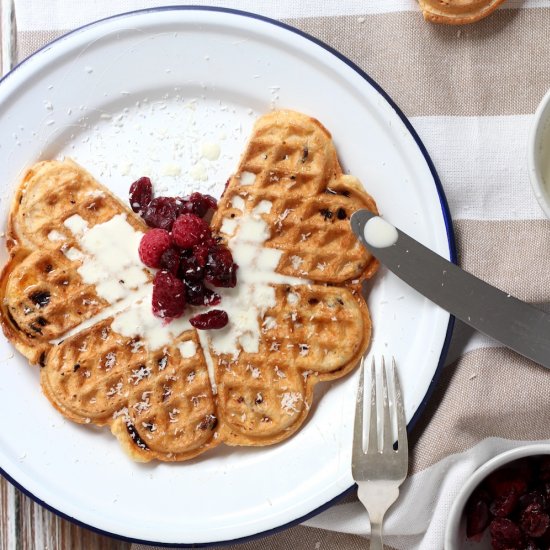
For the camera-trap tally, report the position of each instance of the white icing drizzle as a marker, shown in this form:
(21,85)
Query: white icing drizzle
(76,225)
(263,207)
(109,256)
(187,349)
(205,345)
(237,202)
(73,254)
(247,178)
(229,225)
(54,235)
(105,313)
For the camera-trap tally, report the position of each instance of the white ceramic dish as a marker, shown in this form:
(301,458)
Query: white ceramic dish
(455,530)
(538,154)
(141,94)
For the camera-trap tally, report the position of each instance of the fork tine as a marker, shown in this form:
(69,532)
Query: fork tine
(358,423)
(388,432)
(400,412)
(373,420)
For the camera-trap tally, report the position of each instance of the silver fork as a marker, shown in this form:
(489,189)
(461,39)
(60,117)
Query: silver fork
(380,470)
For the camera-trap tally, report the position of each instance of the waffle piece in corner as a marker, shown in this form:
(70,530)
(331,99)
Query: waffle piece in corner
(457,12)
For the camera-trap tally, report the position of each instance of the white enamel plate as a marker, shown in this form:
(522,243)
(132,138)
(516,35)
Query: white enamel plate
(173,93)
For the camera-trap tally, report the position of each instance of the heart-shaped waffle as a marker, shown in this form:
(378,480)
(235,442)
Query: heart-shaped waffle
(295,317)
(457,12)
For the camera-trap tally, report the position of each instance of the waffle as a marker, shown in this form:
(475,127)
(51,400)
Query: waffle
(166,403)
(457,12)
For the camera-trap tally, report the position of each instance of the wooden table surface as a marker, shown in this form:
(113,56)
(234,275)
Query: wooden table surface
(25,525)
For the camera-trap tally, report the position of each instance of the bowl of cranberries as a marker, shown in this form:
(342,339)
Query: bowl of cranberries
(505,504)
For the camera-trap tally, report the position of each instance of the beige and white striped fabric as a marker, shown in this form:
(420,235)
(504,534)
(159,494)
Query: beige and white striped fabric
(470,92)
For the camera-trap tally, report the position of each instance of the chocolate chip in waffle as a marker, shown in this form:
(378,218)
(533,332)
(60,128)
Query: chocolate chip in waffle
(171,392)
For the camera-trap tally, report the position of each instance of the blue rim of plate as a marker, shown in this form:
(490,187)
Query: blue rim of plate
(450,239)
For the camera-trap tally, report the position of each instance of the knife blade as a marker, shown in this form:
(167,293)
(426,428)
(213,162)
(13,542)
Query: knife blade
(516,324)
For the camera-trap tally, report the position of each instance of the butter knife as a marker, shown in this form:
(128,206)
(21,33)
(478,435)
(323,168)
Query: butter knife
(516,324)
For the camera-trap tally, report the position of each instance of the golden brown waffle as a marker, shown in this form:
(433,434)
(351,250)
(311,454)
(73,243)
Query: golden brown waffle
(457,12)
(160,404)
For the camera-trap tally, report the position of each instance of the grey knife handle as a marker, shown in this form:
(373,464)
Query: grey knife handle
(518,325)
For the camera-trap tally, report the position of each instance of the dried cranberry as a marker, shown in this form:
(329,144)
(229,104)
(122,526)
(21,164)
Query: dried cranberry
(535,500)
(200,252)
(477,514)
(168,296)
(220,269)
(544,468)
(161,212)
(190,269)
(181,205)
(170,260)
(211,298)
(199,204)
(141,193)
(190,230)
(534,522)
(505,534)
(153,245)
(214,319)
(501,482)
(503,505)
(198,294)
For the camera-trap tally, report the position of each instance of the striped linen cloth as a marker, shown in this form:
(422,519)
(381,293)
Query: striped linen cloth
(470,92)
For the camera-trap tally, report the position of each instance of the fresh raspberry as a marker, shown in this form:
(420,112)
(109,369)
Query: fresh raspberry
(190,230)
(168,296)
(213,319)
(153,245)
(141,193)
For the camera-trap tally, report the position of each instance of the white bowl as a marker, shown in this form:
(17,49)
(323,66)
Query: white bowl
(538,154)
(455,530)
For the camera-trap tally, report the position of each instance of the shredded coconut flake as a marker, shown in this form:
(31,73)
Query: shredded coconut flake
(173,415)
(139,374)
(289,400)
(296,262)
(110,360)
(115,390)
(279,372)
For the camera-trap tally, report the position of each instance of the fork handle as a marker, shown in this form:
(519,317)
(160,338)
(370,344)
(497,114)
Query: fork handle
(377,497)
